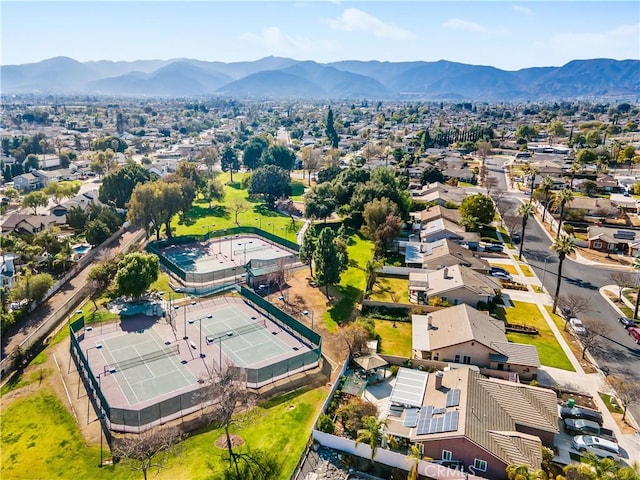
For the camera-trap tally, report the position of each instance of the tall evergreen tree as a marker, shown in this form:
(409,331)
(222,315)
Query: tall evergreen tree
(327,260)
(331,130)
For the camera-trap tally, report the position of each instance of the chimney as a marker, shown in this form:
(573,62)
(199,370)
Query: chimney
(429,322)
(446,273)
(439,376)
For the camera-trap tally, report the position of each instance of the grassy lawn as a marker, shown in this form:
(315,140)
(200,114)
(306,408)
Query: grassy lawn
(489,232)
(386,287)
(538,289)
(394,340)
(549,350)
(40,437)
(297,190)
(526,270)
(626,311)
(352,282)
(507,266)
(202,219)
(162,285)
(608,399)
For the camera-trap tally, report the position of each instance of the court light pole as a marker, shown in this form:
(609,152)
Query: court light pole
(544,271)
(199,320)
(245,250)
(305,313)
(259,219)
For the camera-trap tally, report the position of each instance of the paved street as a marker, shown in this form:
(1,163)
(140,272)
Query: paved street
(617,351)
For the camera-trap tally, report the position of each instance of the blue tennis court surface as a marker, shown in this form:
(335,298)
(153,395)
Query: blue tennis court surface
(150,379)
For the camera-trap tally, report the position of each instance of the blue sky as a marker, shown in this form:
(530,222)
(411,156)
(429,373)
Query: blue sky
(508,35)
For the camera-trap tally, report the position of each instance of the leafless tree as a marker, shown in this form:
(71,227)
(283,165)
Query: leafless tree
(483,150)
(310,160)
(591,337)
(226,387)
(575,304)
(490,183)
(512,222)
(237,206)
(355,336)
(148,450)
(627,392)
(622,280)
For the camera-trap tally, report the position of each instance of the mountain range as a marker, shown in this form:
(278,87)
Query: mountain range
(276,77)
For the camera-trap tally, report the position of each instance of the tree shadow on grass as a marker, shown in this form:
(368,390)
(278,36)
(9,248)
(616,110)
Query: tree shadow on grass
(265,211)
(342,310)
(198,211)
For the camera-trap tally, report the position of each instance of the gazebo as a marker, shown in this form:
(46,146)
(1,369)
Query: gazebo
(370,362)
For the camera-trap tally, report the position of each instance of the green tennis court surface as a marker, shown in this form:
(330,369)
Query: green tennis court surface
(149,379)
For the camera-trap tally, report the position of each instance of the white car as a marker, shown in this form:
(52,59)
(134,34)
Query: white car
(577,326)
(598,446)
(502,276)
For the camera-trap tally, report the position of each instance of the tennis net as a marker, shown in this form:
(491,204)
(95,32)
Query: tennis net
(142,359)
(232,332)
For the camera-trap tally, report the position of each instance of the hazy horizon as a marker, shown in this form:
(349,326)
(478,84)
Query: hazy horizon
(505,35)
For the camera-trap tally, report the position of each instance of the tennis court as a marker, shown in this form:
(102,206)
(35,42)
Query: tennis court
(245,340)
(144,366)
(223,257)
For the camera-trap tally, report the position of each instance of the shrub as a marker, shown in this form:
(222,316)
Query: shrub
(394,369)
(325,424)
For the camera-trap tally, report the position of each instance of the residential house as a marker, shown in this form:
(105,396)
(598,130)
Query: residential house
(27,181)
(607,184)
(486,424)
(441,228)
(613,240)
(18,222)
(83,200)
(433,213)
(456,284)
(441,194)
(624,202)
(592,207)
(442,253)
(50,176)
(462,334)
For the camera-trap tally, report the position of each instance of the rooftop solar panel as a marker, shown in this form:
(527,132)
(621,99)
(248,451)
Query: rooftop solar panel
(453,397)
(410,417)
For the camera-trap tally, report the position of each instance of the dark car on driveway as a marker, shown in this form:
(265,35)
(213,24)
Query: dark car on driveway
(579,426)
(493,247)
(581,412)
(626,322)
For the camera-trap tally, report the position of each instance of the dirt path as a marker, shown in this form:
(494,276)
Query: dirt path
(302,296)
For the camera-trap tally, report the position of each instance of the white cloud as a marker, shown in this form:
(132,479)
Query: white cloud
(354,20)
(273,41)
(524,10)
(459,24)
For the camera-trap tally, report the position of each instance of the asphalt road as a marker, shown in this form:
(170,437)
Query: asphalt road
(616,350)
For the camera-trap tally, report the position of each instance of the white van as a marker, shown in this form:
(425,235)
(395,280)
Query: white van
(596,445)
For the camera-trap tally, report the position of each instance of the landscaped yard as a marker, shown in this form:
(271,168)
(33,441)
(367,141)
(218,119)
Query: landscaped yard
(394,340)
(549,350)
(40,439)
(202,219)
(391,289)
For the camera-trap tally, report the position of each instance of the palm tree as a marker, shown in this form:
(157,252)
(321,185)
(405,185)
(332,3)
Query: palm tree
(414,457)
(573,169)
(532,172)
(545,186)
(371,433)
(524,211)
(563,245)
(636,267)
(562,198)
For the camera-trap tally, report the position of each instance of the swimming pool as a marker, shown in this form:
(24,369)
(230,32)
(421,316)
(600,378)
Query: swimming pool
(82,248)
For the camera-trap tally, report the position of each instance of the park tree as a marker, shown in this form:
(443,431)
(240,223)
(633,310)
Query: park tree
(355,336)
(149,450)
(187,191)
(382,183)
(330,130)
(153,205)
(96,232)
(190,171)
(31,287)
(328,259)
(237,206)
(280,156)
(270,181)
(320,201)
(229,161)
(100,277)
(252,153)
(431,174)
(381,223)
(34,200)
(117,187)
(308,247)
(214,190)
(226,385)
(563,245)
(136,272)
(479,206)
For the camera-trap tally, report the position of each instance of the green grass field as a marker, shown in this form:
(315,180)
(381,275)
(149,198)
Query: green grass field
(202,218)
(394,340)
(40,439)
(386,287)
(549,350)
